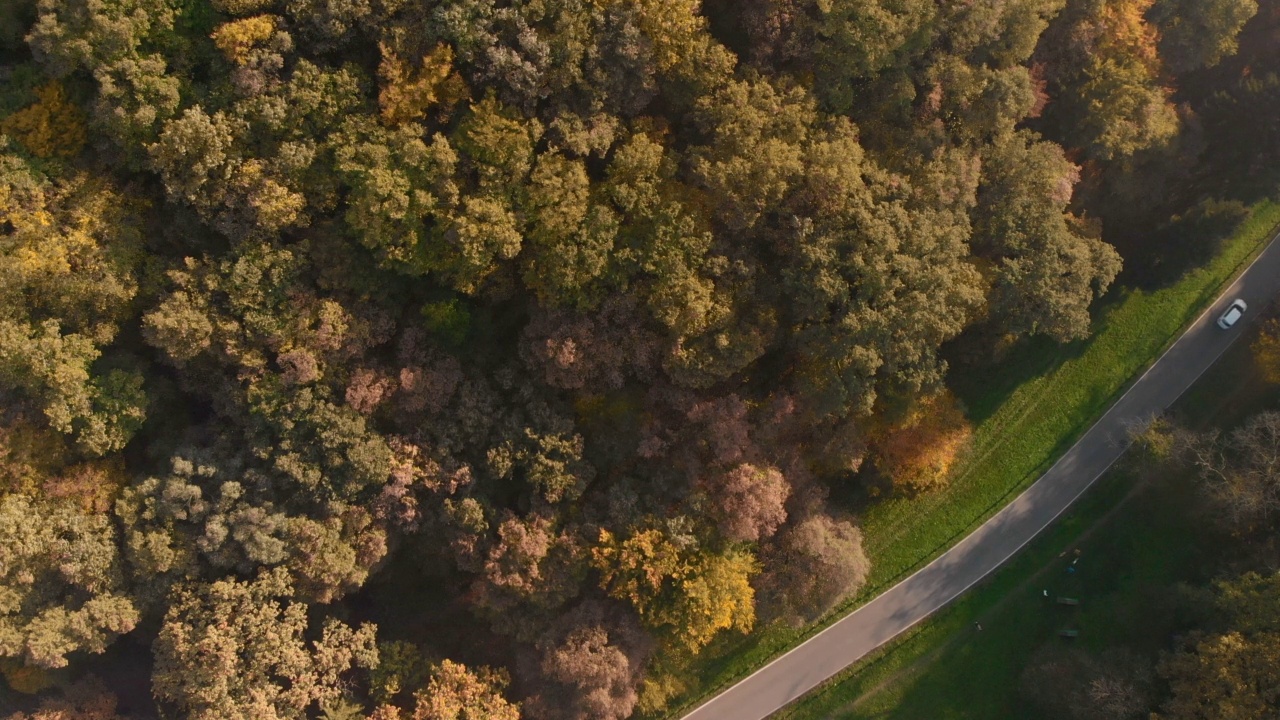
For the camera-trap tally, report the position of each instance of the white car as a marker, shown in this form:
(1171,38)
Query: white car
(1232,315)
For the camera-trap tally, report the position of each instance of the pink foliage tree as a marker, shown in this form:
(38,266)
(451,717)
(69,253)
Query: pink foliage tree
(367,389)
(600,350)
(750,502)
(588,666)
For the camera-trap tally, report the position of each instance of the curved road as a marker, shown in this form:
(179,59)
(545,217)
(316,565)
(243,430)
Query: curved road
(807,665)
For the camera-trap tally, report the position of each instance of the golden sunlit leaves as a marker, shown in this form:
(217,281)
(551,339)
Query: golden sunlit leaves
(635,569)
(456,692)
(236,38)
(1125,33)
(407,95)
(917,453)
(688,593)
(53,126)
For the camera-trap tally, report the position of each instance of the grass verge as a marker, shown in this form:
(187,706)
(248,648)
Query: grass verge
(1135,544)
(1040,401)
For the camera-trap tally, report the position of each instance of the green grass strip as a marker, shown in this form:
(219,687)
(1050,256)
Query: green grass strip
(1045,398)
(943,669)
(1135,548)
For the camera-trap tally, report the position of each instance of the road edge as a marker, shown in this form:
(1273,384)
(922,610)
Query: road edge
(1120,394)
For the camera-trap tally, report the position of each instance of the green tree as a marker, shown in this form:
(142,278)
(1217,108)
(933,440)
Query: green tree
(90,34)
(667,241)
(197,521)
(876,280)
(397,183)
(173,521)
(316,444)
(1044,271)
(756,150)
(115,43)
(551,463)
(180,326)
(200,158)
(498,143)
(977,104)
(136,97)
(1103,68)
(335,554)
(196,156)
(483,231)
(1126,111)
(570,237)
(330,24)
(1199,34)
(401,668)
(1003,34)
(859,39)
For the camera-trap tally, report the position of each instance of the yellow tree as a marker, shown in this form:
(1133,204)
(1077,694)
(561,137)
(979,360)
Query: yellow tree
(687,593)
(1234,674)
(236,39)
(68,261)
(1129,110)
(638,568)
(917,453)
(1127,36)
(52,126)
(406,95)
(456,692)
(714,594)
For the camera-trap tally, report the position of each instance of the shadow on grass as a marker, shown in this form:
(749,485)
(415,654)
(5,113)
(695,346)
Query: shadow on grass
(1044,422)
(1135,552)
(983,385)
(1123,579)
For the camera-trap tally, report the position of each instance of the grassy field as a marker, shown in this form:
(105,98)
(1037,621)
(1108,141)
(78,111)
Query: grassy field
(1134,544)
(1031,409)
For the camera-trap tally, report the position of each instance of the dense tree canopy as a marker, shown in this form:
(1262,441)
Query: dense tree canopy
(231,650)
(551,336)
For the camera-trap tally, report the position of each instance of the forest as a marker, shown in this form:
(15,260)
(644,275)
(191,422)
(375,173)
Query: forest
(462,359)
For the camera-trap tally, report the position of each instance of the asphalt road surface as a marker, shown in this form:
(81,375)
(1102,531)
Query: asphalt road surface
(792,675)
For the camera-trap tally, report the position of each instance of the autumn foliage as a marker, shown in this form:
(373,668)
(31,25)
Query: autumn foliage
(53,126)
(917,453)
(408,94)
(470,358)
